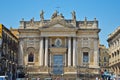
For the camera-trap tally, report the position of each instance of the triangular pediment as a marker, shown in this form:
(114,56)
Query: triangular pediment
(58,26)
(57,22)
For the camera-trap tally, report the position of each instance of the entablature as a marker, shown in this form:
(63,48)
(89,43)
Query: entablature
(63,34)
(58,50)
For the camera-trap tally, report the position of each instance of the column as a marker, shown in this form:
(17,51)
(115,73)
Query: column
(74,51)
(69,51)
(41,52)
(46,51)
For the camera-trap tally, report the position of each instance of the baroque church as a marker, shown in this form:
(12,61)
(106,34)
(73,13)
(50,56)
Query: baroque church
(59,47)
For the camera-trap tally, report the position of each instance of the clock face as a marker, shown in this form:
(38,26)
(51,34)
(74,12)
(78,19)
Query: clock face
(58,42)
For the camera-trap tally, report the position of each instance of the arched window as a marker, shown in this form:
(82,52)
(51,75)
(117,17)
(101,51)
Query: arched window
(31,57)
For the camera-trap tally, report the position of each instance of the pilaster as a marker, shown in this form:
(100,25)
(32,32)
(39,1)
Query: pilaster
(96,52)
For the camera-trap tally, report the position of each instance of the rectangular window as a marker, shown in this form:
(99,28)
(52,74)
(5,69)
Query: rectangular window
(85,57)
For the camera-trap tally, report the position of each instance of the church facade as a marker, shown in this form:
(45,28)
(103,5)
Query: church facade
(59,47)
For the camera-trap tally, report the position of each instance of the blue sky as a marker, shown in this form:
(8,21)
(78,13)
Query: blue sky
(107,12)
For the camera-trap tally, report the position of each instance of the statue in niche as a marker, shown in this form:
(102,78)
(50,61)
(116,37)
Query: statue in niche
(42,15)
(73,15)
(55,14)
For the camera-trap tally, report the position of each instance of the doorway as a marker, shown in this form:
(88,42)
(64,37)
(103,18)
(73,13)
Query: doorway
(58,64)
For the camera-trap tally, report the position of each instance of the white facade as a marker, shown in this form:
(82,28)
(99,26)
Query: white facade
(45,40)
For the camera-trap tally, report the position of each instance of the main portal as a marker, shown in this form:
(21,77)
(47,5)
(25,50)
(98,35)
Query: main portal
(58,64)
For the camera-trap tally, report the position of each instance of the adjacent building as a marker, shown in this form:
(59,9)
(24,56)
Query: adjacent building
(8,53)
(59,47)
(15,32)
(114,51)
(103,58)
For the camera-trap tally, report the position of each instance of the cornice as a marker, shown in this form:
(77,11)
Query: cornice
(89,30)
(115,33)
(28,30)
(58,50)
(58,29)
